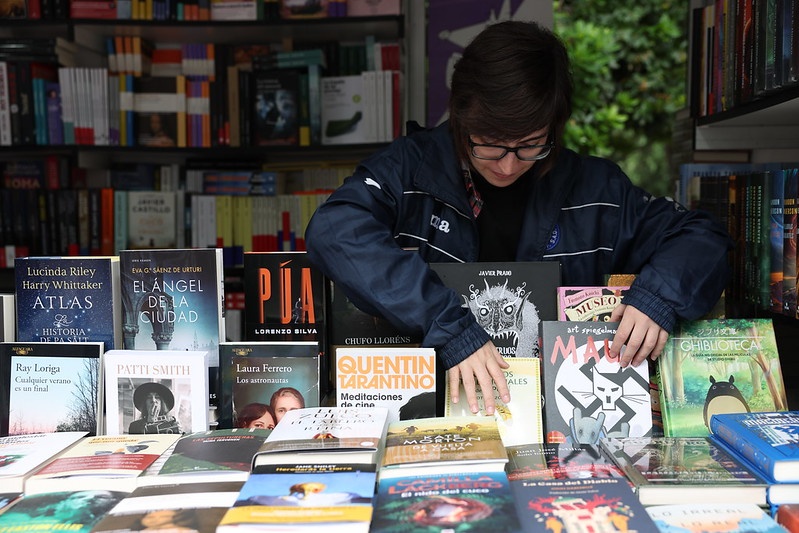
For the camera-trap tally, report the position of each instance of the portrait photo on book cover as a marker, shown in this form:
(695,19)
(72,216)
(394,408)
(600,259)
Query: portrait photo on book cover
(154,403)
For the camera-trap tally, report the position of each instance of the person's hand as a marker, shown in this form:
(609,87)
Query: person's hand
(641,335)
(484,368)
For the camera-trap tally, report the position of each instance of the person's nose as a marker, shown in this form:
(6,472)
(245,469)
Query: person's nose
(508,163)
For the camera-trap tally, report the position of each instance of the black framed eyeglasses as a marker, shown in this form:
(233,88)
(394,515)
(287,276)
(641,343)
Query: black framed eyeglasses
(493,152)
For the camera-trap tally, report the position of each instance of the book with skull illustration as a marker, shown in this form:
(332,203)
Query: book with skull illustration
(509,299)
(588,395)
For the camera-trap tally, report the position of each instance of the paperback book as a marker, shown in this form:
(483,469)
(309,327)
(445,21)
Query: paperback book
(180,507)
(50,386)
(579,505)
(543,461)
(520,420)
(509,299)
(768,440)
(442,445)
(151,219)
(673,470)
(400,379)
(325,434)
(22,455)
(589,395)
(718,366)
(266,378)
(71,510)
(68,299)
(156,391)
(100,462)
(456,502)
(702,517)
(331,497)
(276,97)
(589,303)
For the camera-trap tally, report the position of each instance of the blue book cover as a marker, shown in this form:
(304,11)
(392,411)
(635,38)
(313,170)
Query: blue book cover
(767,439)
(68,299)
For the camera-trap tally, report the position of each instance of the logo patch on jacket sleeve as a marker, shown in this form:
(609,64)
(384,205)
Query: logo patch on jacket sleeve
(554,239)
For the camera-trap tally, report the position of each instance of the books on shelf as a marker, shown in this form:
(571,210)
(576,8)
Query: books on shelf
(68,299)
(331,496)
(8,318)
(594,303)
(69,510)
(718,366)
(470,501)
(159,110)
(50,386)
(542,461)
(262,377)
(152,219)
(181,507)
(400,379)
(699,517)
(342,104)
(24,454)
(276,101)
(768,440)
(208,457)
(509,299)
(579,505)
(100,462)
(674,470)
(520,421)
(325,434)
(589,396)
(442,445)
(156,391)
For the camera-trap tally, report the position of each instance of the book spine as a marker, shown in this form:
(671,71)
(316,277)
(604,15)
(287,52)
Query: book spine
(735,440)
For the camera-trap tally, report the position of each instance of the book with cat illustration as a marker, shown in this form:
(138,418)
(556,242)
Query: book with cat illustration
(718,366)
(589,396)
(509,299)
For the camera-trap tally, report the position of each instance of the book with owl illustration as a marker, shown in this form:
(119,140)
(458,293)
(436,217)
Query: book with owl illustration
(672,470)
(254,373)
(520,421)
(509,299)
(718,366)
(589,396)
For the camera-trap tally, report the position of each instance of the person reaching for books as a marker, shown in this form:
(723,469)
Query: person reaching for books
(495,183)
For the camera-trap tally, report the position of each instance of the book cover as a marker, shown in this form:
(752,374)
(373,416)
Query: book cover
(520,421)
(579,505)
(262,380)
(159,110)
(8,318)
(768,440)
(69,299)
(443,444)
(701,517)
(400,379)
(589,396)
(72,510)
(185,507)
(342,110)
(22,455)
(319,497)
(156,391)
(152,219)
(276,95)
(173,300)
(208,456)
(559,460)
(672,470)
(718,366)
(334,434)
(301,9)
(588,303)
(454,502)
(50,386)
(100,462)
(509,299)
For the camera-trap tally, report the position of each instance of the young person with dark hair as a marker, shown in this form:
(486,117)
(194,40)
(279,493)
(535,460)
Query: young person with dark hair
(495,183)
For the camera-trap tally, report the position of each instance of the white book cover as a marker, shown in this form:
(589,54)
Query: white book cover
(152,219)
(23,454)
(343,115)
(156,391)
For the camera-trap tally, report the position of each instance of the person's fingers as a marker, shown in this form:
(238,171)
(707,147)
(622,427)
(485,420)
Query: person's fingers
(454,376)
(471,394)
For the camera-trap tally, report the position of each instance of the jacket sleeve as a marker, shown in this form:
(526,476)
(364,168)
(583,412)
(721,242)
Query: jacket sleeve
(350,238)
(680,256)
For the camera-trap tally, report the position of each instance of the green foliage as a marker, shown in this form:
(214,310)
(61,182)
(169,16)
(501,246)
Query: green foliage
(629,65)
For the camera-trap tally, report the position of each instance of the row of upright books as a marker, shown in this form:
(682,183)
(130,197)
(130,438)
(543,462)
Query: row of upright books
(757,204)
(352,469)
(743,50)
(268,10)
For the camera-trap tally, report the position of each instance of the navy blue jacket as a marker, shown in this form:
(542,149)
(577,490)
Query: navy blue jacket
(584,213)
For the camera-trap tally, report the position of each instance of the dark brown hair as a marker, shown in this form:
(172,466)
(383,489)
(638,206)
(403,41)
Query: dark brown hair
(513,79)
